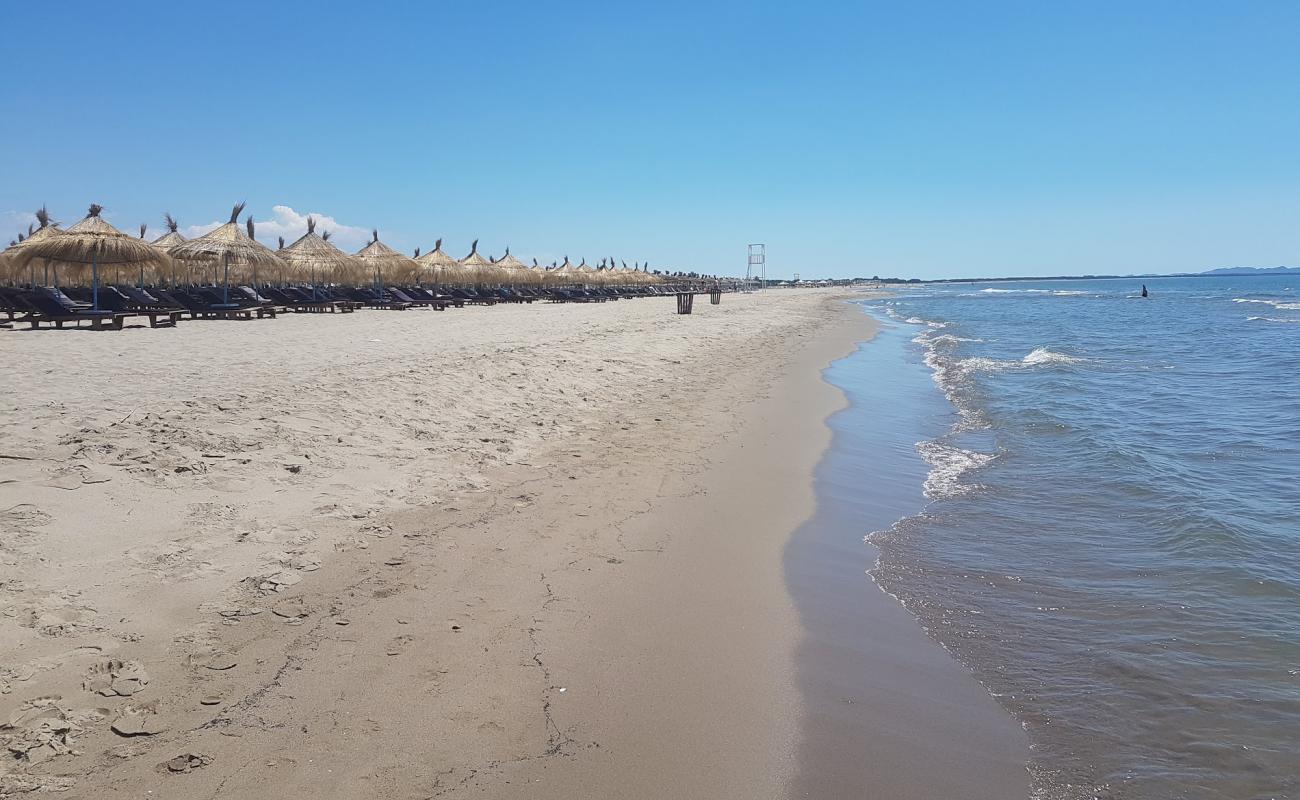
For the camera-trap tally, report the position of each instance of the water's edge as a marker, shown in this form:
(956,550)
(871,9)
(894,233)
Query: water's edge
(884,705)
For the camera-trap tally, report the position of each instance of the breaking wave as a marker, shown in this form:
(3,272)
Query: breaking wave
(1278,304)
(947,466)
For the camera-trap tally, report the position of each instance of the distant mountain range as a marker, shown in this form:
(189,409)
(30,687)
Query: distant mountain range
(1253,271)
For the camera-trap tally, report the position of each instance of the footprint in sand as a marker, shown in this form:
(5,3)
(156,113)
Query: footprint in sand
(54,616)
(116,678)
(141,720)
(186,762)
(399,644)
(291,609)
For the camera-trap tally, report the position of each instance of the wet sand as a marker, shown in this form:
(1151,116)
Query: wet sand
(886,711)
(526,552)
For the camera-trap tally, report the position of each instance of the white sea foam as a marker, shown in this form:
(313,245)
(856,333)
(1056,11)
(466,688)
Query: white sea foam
(1271,319)
(1278,304)
(983,364)
(945,339)
(1040,356)
(947,466)
(1053,292)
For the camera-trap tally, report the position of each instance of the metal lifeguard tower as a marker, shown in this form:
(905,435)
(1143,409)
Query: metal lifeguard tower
(757,267)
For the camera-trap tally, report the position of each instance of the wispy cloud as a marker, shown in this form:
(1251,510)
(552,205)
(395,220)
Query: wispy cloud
(13,223)
(287,222)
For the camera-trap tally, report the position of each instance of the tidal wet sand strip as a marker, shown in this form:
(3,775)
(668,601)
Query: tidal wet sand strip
(886,711)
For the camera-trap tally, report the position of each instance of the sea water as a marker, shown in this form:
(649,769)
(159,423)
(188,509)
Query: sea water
(1110,530)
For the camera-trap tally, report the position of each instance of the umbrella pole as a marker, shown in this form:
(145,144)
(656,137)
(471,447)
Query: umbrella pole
(225,289)
(94,277)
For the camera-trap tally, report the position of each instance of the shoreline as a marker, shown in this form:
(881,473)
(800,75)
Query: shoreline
(599,610)
(885,705)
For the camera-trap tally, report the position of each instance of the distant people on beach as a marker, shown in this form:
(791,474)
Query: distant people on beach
(1144,290)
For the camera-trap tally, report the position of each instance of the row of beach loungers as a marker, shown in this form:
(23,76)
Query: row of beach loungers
(165,307)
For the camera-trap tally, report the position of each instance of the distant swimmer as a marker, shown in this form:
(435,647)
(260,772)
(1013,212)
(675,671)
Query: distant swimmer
(1144,290)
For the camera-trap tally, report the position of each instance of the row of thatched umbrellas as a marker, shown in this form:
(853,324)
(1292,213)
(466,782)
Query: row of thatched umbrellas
(231,253)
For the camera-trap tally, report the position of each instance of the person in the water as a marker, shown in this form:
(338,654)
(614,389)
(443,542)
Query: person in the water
(1144,290)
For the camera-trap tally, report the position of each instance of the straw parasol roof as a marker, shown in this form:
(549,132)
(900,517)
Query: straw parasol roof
(439,267)
(171,238)
(566,271)
(481,267)
(508,261)
(511,270)
(313,257)
(92,242)
(378,258)
(230,245)
(48,228)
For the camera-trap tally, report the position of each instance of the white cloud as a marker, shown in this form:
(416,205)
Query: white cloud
(194,231)
(291,224)
(13,223)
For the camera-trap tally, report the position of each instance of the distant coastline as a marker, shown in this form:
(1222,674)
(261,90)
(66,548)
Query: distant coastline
(1222,272)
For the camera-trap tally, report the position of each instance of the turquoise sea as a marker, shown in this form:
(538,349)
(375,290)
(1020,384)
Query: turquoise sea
(1108,527)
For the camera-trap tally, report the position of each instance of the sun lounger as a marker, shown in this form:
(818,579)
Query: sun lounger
(118,299)
(201,304)
(50,306)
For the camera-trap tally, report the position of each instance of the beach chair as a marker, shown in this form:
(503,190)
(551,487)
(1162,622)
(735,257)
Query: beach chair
(201,305)
(117,299)
(51,306)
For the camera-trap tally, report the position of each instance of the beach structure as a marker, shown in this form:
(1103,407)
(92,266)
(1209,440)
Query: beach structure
(478,266)
(229,247)
(563,274)
(512,269)
(439,268)
(92,243)
(172,237)
(538,274)
(8,264)
(312,257)
(169,240)
(385,264)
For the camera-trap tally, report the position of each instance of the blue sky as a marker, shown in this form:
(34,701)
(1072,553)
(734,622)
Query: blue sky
(912,139)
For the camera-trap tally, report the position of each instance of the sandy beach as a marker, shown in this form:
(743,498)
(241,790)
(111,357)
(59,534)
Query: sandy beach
(506,552)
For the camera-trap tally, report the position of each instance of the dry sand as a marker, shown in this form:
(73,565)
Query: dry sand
(506,552)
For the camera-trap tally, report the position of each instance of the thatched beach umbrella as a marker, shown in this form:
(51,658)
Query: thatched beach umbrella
(565,273)
(476,265)
(383,261)
(313,255)
(172,237)
(144,228)
(169,240)
(440,267)
(229,246)
(96,243)
(512,269)
(537,273)
(48,228)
